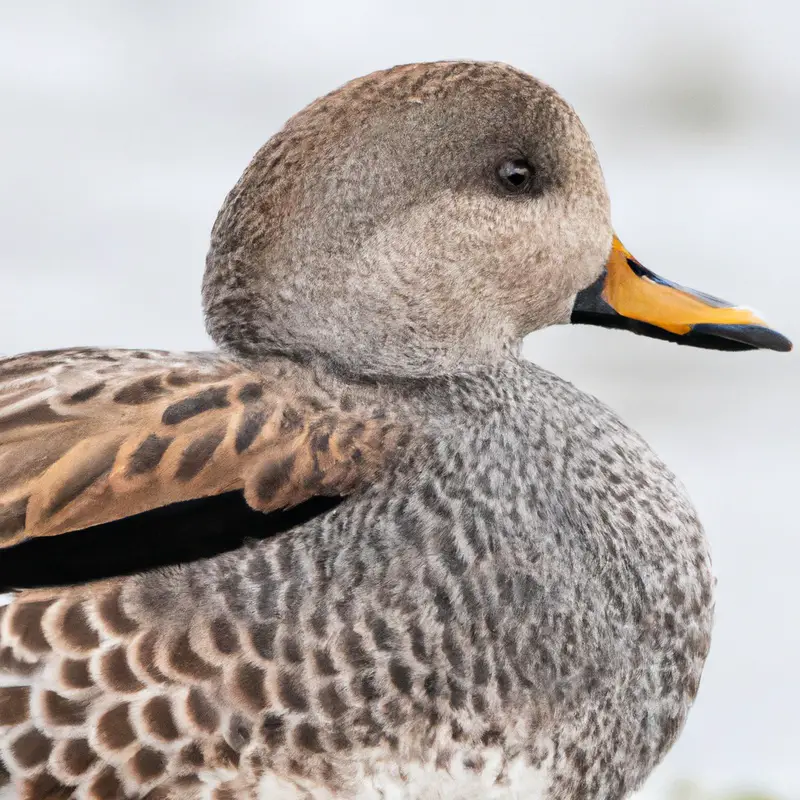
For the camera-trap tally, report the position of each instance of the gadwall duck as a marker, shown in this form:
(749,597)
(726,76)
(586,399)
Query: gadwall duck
(364,550)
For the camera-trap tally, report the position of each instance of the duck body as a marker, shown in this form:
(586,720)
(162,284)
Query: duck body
(513,653)
(463,627)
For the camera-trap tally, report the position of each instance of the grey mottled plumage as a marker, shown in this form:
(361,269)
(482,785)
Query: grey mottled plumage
(515,597)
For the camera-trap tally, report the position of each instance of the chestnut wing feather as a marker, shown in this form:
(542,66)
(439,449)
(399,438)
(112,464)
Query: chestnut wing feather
(90,436)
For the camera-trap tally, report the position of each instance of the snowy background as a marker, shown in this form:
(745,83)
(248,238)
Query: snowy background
(125,123)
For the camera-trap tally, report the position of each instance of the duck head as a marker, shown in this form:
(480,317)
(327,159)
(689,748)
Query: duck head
(426,218)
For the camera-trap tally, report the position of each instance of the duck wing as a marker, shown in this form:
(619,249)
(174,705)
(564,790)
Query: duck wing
(90,436)
(108,458)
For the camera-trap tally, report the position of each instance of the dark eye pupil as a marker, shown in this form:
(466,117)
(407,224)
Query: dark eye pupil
(515,174)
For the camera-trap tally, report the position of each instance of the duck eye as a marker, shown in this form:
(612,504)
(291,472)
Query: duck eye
(515,174)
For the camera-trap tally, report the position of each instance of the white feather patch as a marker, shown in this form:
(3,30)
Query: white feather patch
(388,781)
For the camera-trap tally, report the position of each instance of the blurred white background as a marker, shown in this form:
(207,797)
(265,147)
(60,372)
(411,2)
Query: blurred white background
(124,124)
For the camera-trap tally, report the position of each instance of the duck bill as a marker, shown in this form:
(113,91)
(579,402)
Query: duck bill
(629,296)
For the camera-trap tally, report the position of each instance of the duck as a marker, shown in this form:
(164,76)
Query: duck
(363,549)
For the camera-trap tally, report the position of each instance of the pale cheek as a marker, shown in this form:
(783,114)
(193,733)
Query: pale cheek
(590,243)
